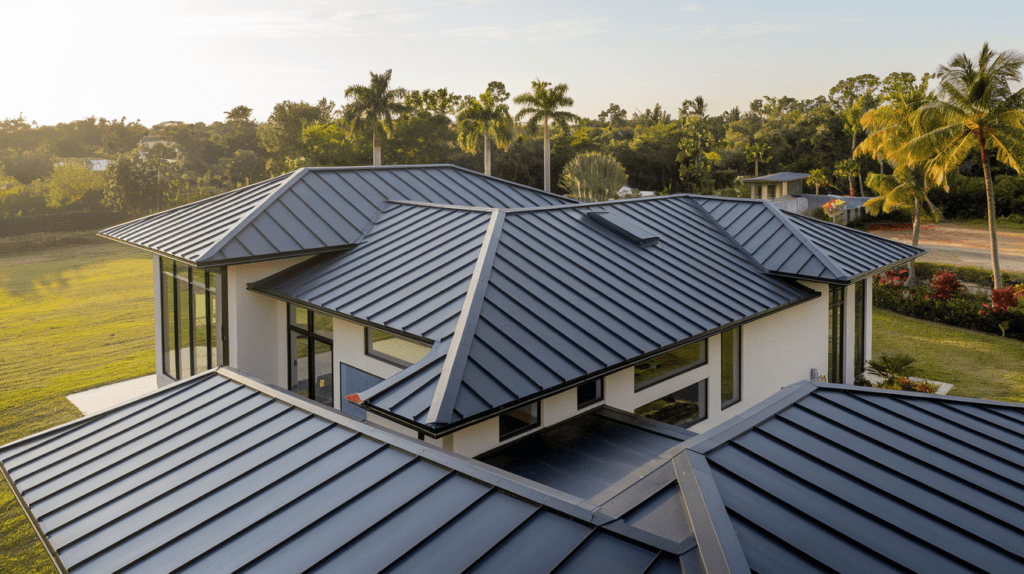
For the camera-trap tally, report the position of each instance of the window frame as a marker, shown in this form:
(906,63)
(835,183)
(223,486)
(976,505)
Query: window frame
(310,333)
(737,382)
(518,431)
(702,404)
(598,394)
(641,386)
(837,334)
(382,356)
(172,275)
(860,316)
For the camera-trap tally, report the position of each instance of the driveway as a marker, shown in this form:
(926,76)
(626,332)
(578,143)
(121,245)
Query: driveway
(959,245)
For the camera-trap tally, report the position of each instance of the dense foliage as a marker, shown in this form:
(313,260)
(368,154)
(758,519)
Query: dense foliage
(44,169)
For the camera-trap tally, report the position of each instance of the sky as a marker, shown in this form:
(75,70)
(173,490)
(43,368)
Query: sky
(192,61)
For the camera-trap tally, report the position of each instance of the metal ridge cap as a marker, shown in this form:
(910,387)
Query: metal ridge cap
(807,241)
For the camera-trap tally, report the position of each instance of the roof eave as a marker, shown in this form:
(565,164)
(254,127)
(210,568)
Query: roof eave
(444,429)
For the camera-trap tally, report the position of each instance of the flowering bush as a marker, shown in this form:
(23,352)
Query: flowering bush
(894,277)
(1003,300)
(945,285)
(905,384)
(834,207)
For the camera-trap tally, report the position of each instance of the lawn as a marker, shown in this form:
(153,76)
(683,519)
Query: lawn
(72,316)
(979,365)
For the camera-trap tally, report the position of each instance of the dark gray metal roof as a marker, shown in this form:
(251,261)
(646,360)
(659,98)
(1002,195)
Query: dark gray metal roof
(218,473)
(802,247)
(857,253)
(777,177)
(557,298)
(411,272)
(833,478)
(311,210)
(588,453)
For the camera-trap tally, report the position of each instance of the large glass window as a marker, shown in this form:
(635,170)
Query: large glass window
(682,408)
(669,364)
(310,354)
(355,380)
(188,313)
(518,421)
(836,332)
(859,313)
(393,348)
(731,367)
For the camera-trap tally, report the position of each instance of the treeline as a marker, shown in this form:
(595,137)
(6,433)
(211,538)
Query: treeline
(667,151)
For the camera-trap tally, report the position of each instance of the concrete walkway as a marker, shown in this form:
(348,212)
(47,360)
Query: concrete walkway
(100,398)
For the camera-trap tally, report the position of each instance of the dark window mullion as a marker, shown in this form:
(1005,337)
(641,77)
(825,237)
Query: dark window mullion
(177,311)
(191,321)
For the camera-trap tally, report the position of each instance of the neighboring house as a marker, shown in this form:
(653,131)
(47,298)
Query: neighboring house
(461,316)
(776,185)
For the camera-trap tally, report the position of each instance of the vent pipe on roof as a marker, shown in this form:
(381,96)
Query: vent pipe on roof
(620,226)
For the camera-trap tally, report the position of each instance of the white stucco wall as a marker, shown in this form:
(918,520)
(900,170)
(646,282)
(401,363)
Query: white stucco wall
(257,324)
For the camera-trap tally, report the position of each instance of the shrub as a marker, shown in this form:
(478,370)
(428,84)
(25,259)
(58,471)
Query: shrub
(945,285)
(894,277)
(892,365)
(1003,300)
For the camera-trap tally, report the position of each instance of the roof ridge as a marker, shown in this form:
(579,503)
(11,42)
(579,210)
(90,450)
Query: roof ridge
(808,242)
(443,404)
(256,210)
(725,232)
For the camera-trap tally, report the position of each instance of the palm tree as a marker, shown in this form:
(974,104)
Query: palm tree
(757,153)
(977,110)
(890,130)
(542,105)
(374,106)
(847,168)
(488,117)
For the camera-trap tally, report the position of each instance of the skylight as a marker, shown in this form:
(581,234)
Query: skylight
(620,226)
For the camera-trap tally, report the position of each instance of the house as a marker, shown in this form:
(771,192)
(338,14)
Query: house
(467,310)
(428,314)
(776,185)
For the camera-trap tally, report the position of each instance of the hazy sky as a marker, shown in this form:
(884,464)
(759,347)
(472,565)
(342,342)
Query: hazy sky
(192,61)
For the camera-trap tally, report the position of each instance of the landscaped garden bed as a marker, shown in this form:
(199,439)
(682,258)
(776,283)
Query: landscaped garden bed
(940,295)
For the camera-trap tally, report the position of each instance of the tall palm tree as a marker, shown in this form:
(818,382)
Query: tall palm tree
(890,130)
(542,106)
(977,110)
(488,117)
(373,107)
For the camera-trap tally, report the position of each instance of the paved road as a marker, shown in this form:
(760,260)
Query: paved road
(958,245)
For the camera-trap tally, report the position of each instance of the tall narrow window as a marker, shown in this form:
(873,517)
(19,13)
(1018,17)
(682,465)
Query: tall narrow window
(310,354)
(188,316)
(859,313)
(836,331)
(730,367)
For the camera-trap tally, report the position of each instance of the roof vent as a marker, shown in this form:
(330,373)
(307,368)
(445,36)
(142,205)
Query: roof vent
(620,226)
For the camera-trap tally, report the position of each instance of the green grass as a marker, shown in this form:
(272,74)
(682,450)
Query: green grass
(979,365)
(1003,225)
(72,316)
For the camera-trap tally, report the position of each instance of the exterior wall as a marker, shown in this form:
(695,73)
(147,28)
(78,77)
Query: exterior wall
(350,348)
(257,324)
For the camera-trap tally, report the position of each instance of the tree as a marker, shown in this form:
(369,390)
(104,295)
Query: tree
(757,152)
(890,131)
(73,185)
(281,135)
(543,106)
(852,98)
(488,117)
(849,169)
(374,107)
(696,154)
(135,185)
(817,179)
(239,114)
(615,116)
(976,110)
(593,176)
